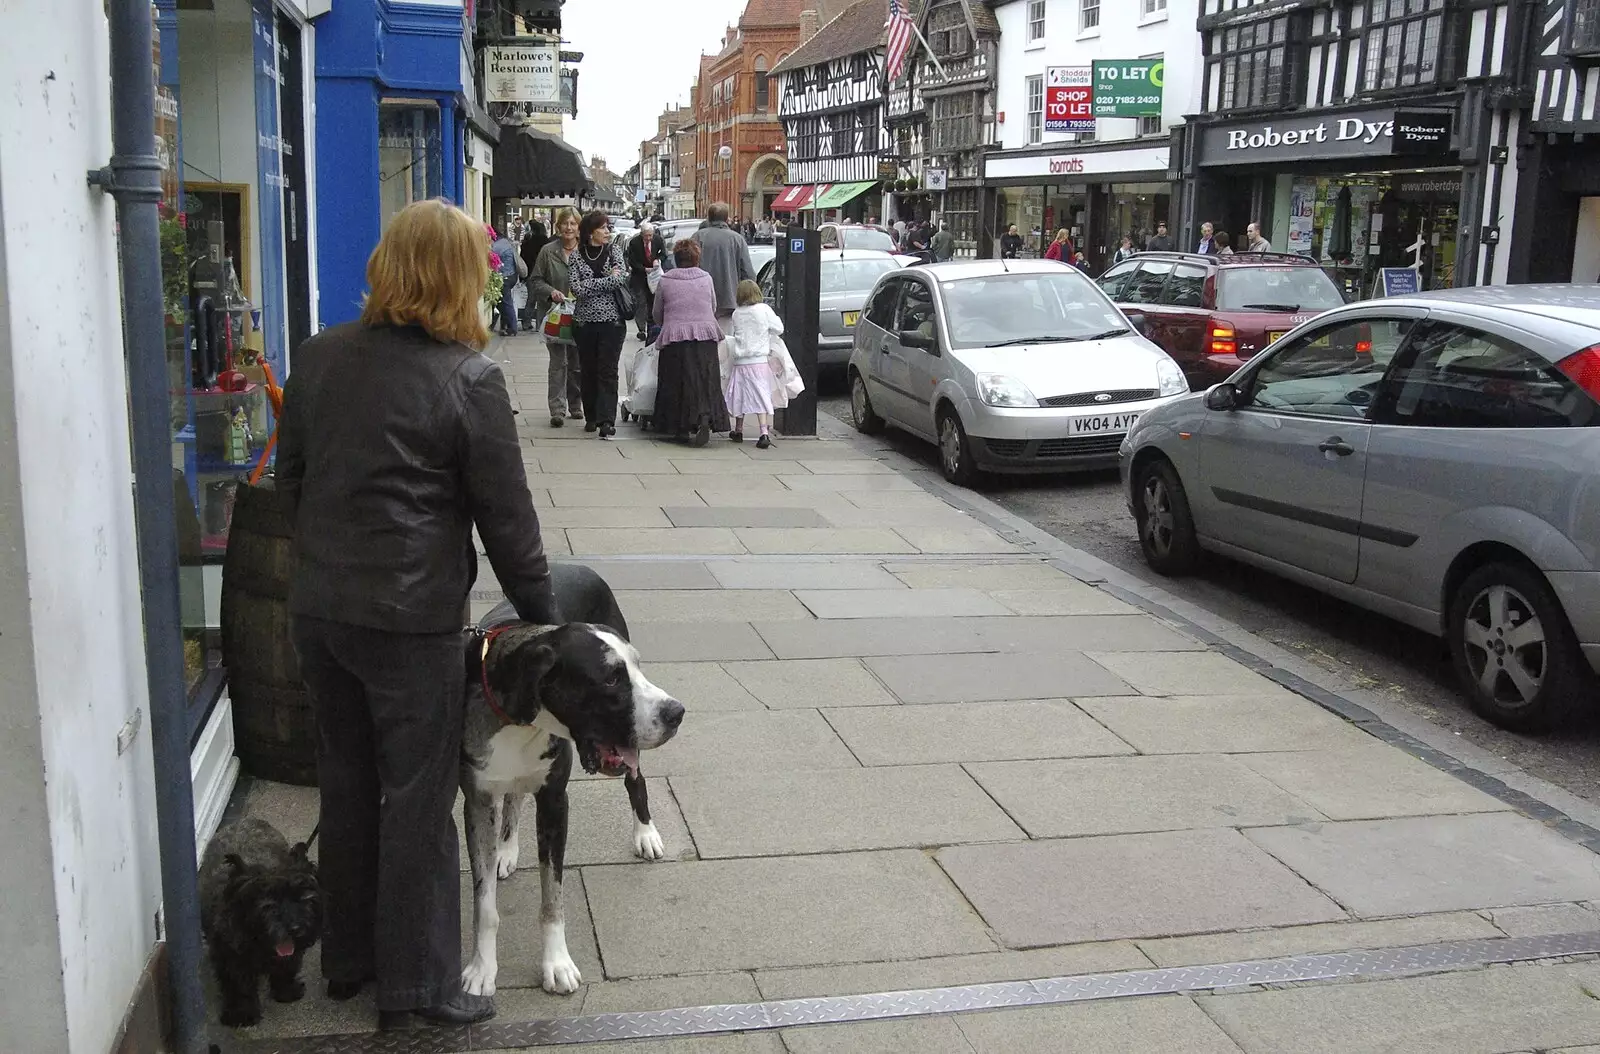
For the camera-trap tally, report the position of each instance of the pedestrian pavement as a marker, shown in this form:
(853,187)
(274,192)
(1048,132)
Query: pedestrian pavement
(919,753)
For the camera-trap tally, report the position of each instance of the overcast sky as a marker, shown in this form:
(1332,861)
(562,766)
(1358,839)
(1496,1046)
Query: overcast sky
(639,57)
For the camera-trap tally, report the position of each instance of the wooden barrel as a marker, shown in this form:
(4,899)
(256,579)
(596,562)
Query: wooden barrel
(273,725)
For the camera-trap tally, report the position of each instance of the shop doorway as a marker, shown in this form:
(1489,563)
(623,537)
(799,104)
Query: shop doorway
(1586,244)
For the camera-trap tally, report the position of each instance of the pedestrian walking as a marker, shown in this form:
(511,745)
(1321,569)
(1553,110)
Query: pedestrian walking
(943,244)
(726,258)
(383,494)
(1061,248)
(1161,241)
(1254,240)
(1208,244)
(533,240)
(644,257)
(506,260)
(1010,243)
(550,283)
(748,391)
(599,277)
(1223,243)
(1125,251)
(689,403)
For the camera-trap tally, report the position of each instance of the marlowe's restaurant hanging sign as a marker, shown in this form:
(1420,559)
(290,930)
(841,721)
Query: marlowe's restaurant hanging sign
(522,73)
(1364,134)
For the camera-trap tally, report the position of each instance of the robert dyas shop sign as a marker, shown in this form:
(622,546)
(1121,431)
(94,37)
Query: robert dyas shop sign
(1366,134)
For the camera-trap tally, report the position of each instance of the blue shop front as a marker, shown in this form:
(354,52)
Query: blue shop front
(392,82)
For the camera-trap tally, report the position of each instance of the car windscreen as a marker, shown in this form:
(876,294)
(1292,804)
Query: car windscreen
(1028,308)
(866,238)
(853,276)
(1276,289)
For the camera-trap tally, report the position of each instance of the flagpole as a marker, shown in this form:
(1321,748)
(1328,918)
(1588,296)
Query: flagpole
(929,49)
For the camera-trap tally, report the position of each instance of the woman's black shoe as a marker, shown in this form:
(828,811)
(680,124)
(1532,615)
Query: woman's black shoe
(702,437)
(607,431)
(736,437)
(590,426)
(339,991)
(764,442)
(464,1009)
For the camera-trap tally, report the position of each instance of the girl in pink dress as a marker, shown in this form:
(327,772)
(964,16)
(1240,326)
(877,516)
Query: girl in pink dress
(750,376)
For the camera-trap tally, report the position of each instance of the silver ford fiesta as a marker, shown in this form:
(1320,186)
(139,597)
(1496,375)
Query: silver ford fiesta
(1008,365)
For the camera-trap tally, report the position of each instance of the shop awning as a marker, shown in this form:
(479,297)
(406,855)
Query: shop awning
(793,198)
(840,193)
(535,164)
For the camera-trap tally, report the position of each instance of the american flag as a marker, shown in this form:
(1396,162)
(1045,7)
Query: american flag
(899,38)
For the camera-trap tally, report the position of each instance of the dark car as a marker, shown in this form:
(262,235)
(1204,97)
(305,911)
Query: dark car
(1215,313)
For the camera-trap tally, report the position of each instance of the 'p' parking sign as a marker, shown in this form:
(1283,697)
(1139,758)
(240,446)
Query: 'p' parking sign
(797,245)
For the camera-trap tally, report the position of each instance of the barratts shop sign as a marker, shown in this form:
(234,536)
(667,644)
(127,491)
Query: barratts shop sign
(522,73)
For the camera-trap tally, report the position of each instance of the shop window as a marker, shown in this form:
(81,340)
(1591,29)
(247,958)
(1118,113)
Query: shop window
(1035,109)
(763,90)
(1035,20)
(1401,45)
(410,163)
(1089,15)
(1462,378)
(1253,64)
(1583,28)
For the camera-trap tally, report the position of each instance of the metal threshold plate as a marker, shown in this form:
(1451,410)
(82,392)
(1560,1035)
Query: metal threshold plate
(788,1013)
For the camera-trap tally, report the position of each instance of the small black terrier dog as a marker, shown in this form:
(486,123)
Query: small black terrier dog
(260,908)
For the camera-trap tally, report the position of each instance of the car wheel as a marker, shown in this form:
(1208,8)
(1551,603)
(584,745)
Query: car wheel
(1514,651)
(955,452)
(1166,526)
(862,415)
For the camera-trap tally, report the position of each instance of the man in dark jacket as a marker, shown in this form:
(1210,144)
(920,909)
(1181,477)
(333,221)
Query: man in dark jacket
(726,258)
(643,253)
(1160,242)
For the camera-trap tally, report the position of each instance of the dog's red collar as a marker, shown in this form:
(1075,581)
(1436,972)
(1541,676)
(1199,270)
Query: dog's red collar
(483,674)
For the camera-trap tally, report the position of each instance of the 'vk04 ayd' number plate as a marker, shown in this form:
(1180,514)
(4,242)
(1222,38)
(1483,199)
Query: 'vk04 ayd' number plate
(1104,424)
(851,318)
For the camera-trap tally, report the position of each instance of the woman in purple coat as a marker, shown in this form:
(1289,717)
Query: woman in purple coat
(689,380)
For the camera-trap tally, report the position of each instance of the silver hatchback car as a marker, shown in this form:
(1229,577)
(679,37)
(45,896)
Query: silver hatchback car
(845,278)
(1434,458)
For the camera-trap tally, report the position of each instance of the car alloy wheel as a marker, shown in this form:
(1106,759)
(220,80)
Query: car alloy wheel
(1161,513)
(1157,523)
(862,415)
(1506,649)
(955,454)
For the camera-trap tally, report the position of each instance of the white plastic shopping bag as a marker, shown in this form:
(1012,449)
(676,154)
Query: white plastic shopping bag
(642,389)
(652,277)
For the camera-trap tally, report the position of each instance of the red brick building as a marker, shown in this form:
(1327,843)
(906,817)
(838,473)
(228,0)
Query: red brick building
(739,156)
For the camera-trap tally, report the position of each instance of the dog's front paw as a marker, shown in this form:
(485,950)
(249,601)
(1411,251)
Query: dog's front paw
(241,1016)
(505,857)
(479,976)
(288,991)
(647,844)
(561,975)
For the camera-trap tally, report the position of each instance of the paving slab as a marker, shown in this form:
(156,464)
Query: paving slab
(574,463)
(840,466)
(696,605)
(1369,781)
(1031,574)
(976,678)
(1164,792)
(939,539)
(735,1043)
(899,603)
(622,573)
(592,497)
(669,993)
(1318,939)
(604,516)
(641,541)
(698,641)
(904,499)
(1068,598)
(744,516)
(715,479)
(769,573)
(1163,1024)
(702,687)
(794,683)
(843,514)
(1419,864)
(598,481)
(715,744)
(822,540)
(1483,1012)
(1221,724)
(944,635)
(727,494)
(958,732)
(1159,672)
(767,813)
(719,915)
(924,1035)
(879,483)
(1544,919)
(1133,885)
(859,978)
(737,466)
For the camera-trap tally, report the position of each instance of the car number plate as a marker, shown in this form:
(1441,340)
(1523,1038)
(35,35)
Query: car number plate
(1273,335)
(851,318)
(1104,424)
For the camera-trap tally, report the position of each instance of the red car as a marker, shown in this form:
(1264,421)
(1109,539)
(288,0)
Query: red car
(1212,314)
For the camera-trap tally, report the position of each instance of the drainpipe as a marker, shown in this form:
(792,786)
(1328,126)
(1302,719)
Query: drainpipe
(133,178)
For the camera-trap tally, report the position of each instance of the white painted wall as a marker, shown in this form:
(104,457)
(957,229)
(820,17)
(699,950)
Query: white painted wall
(1124,33)
(71,657)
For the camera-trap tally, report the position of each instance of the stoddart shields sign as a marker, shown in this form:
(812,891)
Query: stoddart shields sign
(1129,87)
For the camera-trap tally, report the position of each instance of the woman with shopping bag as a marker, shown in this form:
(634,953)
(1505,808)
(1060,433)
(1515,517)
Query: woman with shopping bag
(550,288)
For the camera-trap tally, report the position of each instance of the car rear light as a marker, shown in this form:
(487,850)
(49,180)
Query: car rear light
(1221,339)
(1584,370)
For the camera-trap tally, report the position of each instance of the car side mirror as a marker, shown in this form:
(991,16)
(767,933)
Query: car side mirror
(914,338)
(1224,396)
(1135,319)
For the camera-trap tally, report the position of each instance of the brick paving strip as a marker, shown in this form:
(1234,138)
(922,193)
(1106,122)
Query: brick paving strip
(928,746)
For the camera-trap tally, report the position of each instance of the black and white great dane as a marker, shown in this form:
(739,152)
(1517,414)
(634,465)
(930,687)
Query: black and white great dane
(535,696)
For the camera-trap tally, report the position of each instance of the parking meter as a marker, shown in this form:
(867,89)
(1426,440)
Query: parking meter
(798,267)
